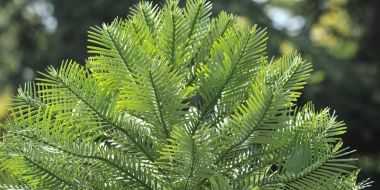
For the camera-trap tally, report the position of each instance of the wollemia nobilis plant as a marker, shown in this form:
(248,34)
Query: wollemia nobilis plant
(171,98)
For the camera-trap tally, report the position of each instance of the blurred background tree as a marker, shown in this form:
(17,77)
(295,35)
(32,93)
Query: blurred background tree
(341,38)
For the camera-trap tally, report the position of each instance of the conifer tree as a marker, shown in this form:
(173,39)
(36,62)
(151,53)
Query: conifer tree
(171,98)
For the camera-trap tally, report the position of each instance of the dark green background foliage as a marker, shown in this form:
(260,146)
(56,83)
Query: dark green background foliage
(345,53)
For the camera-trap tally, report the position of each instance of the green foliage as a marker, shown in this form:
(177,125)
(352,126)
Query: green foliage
(173,99)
